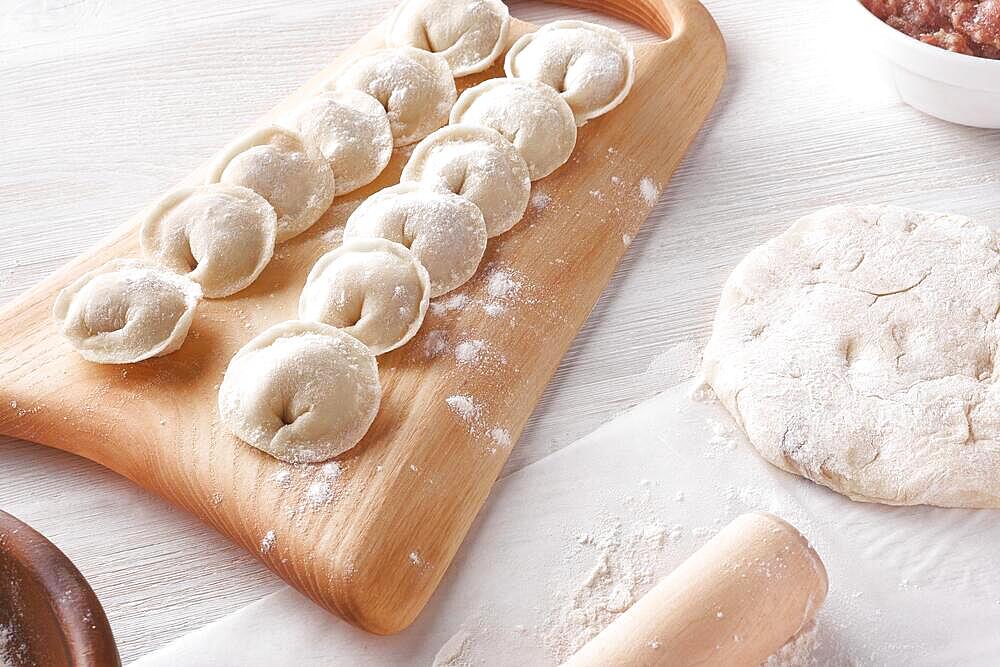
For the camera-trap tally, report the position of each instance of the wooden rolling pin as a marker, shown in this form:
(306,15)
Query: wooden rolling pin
(735,601)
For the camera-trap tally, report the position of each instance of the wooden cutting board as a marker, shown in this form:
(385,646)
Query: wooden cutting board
(372,543)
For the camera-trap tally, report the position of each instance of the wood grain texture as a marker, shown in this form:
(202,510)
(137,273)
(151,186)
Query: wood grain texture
(152,88)
(411,488)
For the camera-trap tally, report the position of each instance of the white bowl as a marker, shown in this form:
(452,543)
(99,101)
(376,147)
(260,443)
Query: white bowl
(952,86)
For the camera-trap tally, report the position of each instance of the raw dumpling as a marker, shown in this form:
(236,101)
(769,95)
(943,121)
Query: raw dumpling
(529,114)
(220,236)
(591,66)
(444,231)
(479,164)
(352,131)
(301,391)
(468,35)
(415,88)
(373,289)
(126,311)
(282,168)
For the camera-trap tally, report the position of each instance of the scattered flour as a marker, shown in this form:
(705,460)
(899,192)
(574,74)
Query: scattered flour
(319,493)
(267,543)
(282,477)
(469,351)
(540,200)
(650,193)
(453,652)
(493,309)
(415,559)
(798,652)
(500,284)
(435,344)
(464,407)
(453,302)
(724,438)
(500,436)
(626,559)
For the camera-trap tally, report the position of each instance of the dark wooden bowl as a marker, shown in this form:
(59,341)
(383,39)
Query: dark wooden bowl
(49,615)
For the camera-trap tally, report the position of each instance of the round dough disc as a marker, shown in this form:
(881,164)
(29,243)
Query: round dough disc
(529,114)
(303,392)
(352,131)
(220,236)
(415,88)
(126,311)
(468,35)
(592,66)
(282,168)
(857,349)
(444,231)
(373,289)
(479,164)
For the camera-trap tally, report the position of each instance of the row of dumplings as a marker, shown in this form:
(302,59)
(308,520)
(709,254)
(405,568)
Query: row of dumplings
(307,390)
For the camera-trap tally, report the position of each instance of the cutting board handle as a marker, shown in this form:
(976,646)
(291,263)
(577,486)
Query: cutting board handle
(673,19)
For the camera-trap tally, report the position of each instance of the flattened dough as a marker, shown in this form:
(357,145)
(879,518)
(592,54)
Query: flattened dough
(444,231)
(529,114)
(220,236)
(468,34)
(592,66)
(303,392)
(351,129)
(415,88)
(126,311)
(373,289)
(479,164)
(858,350)
(278,165)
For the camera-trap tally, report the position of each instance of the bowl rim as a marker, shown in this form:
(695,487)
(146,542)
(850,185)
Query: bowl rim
(980,64)
(87,638)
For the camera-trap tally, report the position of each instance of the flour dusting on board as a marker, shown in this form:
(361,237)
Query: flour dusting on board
(464,407)
(469,351)
(650,193)
(435,343)
(267,542)
(540,200)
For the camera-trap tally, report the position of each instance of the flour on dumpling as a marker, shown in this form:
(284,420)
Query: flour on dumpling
(592,66)
(351,129)
(126,311)
(372,288)
(469,35)
(478,164)
(281,167)
(415,88)
(529,114)
(302,392)
(220,236)
(444,231)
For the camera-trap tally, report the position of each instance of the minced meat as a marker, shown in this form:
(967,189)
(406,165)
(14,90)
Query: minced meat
(964,26)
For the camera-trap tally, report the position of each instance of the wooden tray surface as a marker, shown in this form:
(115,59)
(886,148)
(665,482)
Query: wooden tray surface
(372,544)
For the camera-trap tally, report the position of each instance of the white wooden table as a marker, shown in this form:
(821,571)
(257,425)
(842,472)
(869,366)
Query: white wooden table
(106,103)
